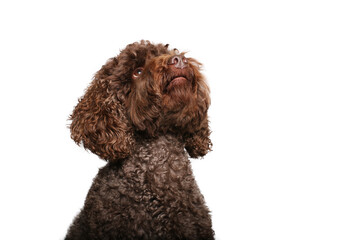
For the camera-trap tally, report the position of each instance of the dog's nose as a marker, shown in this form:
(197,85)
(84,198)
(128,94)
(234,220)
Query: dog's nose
(178,61)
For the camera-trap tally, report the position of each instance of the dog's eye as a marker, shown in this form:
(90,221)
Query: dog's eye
(137,72)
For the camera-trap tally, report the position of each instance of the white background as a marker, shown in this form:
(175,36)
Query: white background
(285,113)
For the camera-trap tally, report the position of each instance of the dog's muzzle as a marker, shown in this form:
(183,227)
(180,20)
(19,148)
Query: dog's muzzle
(179,61)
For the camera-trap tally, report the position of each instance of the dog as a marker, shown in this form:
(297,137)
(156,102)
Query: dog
(145,113)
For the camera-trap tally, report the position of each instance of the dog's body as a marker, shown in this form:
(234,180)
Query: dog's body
(142,126)
(152,195)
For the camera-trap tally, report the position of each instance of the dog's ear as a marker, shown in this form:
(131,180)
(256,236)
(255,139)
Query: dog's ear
(198,144)
(99,121)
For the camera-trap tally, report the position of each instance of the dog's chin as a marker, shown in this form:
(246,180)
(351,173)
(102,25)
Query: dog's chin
(178,93)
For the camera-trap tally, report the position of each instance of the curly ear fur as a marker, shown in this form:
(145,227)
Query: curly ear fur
(198,142)
(99,121)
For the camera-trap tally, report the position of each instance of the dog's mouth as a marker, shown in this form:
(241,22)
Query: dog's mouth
(178,79)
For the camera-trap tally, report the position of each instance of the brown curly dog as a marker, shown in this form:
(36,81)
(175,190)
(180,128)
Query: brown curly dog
(141,111)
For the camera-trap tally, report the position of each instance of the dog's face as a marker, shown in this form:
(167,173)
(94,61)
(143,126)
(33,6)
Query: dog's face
(147,90)
(172,90)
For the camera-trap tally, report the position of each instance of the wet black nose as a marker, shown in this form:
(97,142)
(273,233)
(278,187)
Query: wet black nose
(178,61)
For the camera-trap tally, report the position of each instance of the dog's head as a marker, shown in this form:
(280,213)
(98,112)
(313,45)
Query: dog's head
(145,91)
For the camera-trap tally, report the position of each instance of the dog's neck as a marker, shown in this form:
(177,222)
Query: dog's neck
(162,141)
(160,147)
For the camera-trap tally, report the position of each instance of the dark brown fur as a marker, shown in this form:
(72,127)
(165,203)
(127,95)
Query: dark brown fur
(142,125)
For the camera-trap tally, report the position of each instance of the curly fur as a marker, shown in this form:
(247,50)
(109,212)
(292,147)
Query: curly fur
(141,124)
